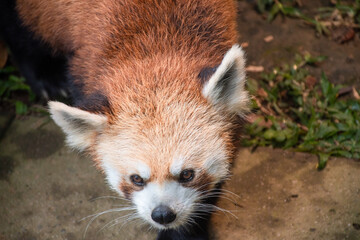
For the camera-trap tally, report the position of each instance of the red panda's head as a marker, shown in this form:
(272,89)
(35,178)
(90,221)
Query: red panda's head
(164,150)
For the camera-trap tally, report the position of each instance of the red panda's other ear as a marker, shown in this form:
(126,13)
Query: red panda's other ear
(226,87)
(79,126)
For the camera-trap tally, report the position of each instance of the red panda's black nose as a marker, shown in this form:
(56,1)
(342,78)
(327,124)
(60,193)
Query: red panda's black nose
(163,215)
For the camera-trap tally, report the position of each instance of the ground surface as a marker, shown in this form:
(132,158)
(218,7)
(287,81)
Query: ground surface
(46,189)
(292,36)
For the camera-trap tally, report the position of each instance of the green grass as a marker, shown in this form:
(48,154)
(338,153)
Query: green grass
(295,110)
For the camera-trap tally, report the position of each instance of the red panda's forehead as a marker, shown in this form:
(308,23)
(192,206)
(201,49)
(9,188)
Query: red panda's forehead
(178,131)
(143,83)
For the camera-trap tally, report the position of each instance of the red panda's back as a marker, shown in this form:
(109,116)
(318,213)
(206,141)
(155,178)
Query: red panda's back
(133,28)
(141,28)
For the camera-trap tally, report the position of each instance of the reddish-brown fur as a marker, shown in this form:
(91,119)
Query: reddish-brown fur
(143,56)
(106,35)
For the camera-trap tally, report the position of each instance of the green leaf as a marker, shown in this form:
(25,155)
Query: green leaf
(291,11)
(269,134)
(354,105)
(342,153)
(20,108)
(3,88)
(16,79)
(273,12)
(325,84)
(261,5)
(323,158)
(8,70)
(252,86)
(325,131)
(280,136)
(309,59)
(357,18)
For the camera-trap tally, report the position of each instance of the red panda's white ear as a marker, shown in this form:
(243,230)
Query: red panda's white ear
(226,86)
(79,126)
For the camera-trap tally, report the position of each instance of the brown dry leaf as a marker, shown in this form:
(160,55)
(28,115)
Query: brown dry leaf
(269,38)
(3,54)
(252,68)
(283,93)
(299,3)
(350,58)
(303,127)
(310,82)
(262,108)
(262,122)
(345,91)
(244,44)
(305,95)
(262,93)
(336,18)
(343,34)
(251,118)
(313,101)
(355,94)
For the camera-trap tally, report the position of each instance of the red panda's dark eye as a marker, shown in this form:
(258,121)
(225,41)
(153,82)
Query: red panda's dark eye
(186,175)
(137,180)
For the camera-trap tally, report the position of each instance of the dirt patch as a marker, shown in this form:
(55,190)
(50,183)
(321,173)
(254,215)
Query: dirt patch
(39,143)
(58,191)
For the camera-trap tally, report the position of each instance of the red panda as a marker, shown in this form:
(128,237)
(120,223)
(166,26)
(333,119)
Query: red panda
(160,84)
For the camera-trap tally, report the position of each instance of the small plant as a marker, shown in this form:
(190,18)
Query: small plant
(346,11)
(275,7)
(340,13)
(10,84)
(342,19)
(296,110)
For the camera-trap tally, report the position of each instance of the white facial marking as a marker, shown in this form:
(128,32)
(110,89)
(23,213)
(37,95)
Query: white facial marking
(138,167)
(171,194)
(177,166)
(113,176)
(144,171)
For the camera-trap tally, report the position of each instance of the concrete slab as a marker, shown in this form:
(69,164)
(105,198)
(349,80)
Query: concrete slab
(46,190)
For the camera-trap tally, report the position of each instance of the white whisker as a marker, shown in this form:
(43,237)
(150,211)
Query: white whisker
(115,220)
(94,216)
(111,197)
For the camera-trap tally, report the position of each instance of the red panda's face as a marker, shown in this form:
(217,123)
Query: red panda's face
(165,146)
(167,162)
